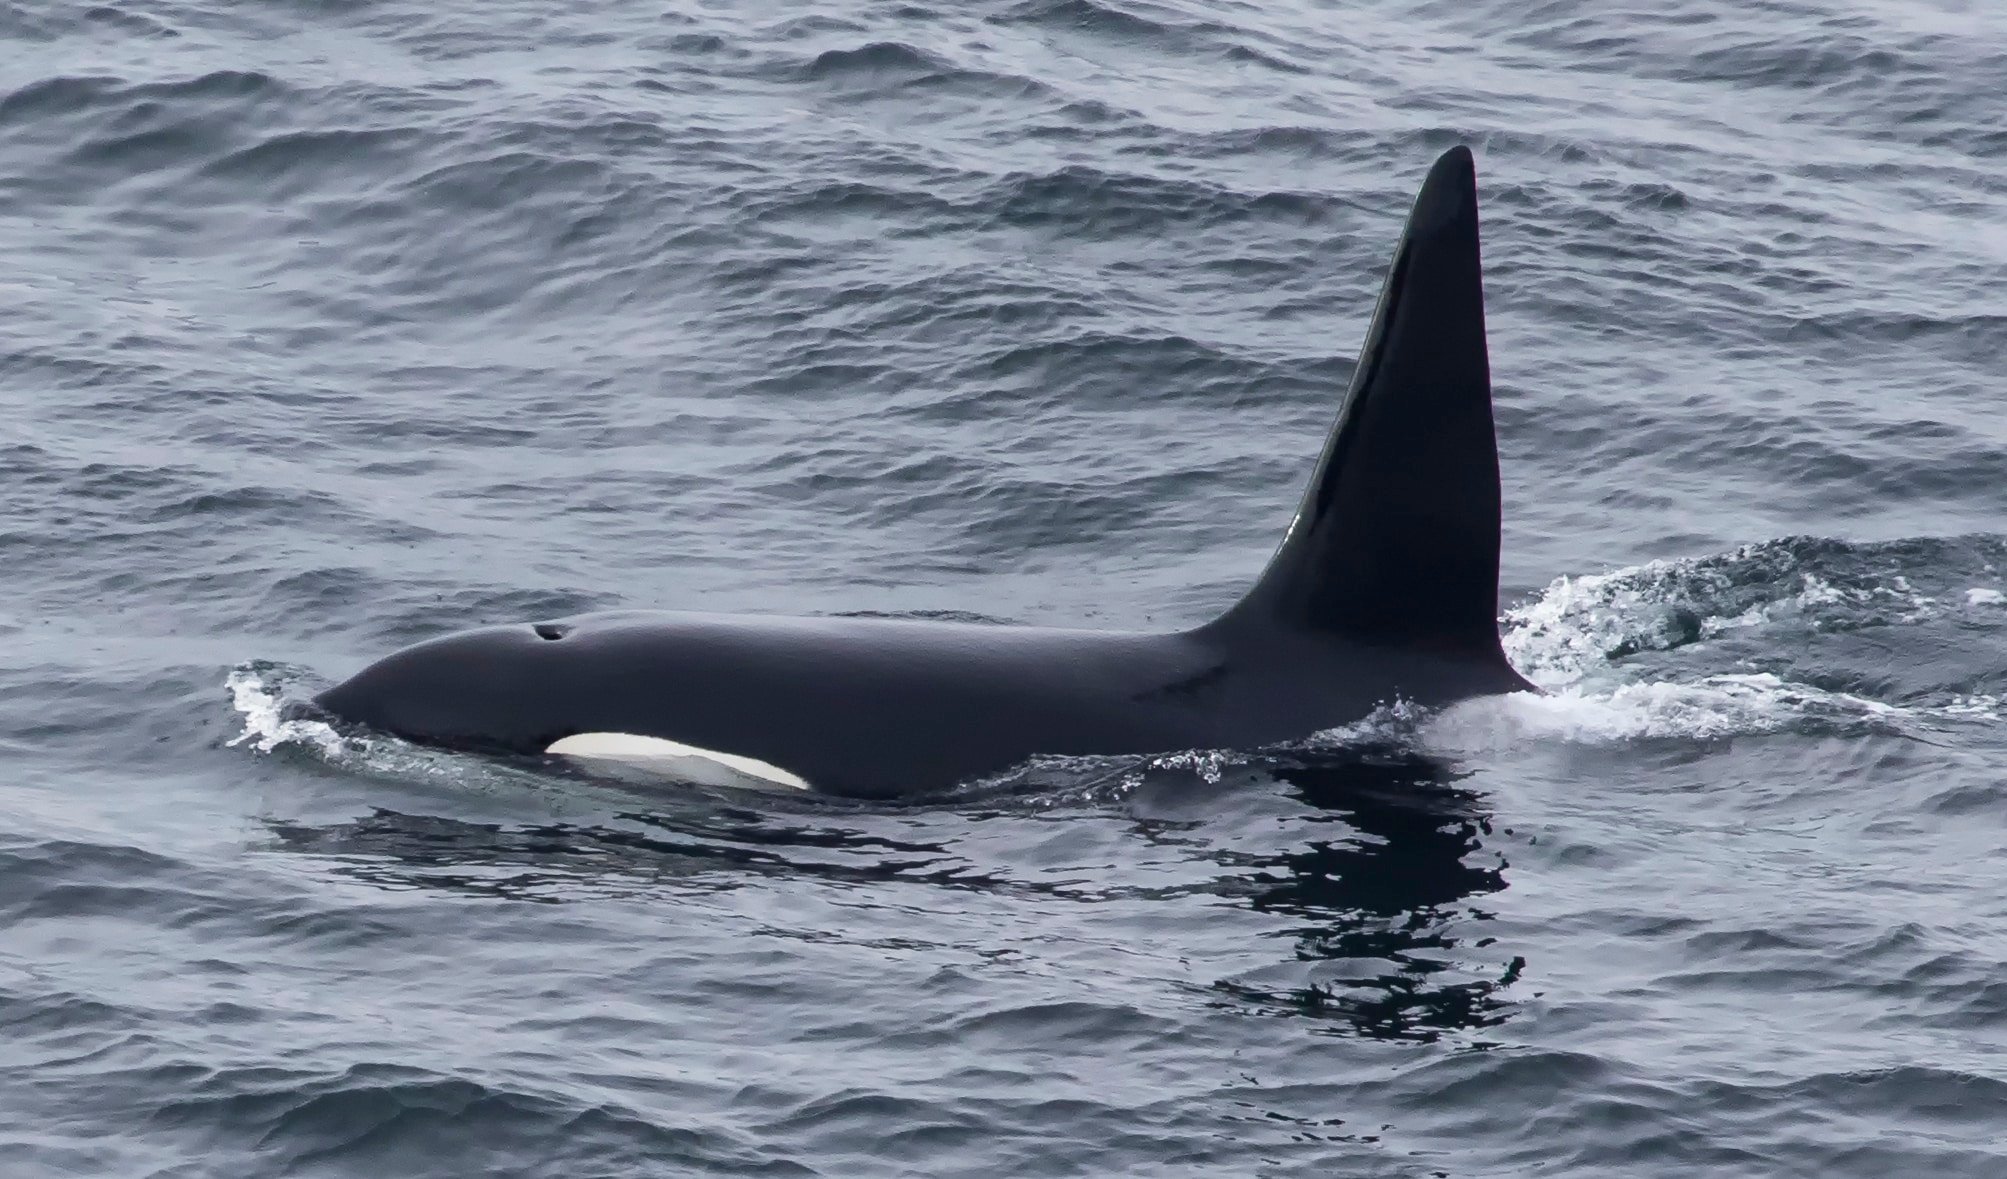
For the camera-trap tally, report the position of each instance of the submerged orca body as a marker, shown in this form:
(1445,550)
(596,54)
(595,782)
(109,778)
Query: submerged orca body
(1386,586)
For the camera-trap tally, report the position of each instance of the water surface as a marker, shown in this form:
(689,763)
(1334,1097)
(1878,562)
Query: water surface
(331,326)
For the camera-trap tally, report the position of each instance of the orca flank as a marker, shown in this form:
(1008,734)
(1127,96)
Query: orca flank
(1385,586)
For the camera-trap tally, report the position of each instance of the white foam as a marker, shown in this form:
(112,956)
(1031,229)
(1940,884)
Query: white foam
(1977,706)
(1573,625)
(1709,709)
(1210,765)
(1579,624)
(260,698)
(1571,638)
(690,763)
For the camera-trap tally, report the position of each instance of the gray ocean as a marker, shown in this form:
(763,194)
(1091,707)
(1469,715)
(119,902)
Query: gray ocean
(329,325)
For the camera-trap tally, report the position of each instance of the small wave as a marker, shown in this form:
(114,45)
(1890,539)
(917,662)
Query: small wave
(1575,636)
(70,95)
(883,68)
(1582,623)
(294,161)
(1101,203)
(1114,22)
(131,23)
(381,1111)
(874,61)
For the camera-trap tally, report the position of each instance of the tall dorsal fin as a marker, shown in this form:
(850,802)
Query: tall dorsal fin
(1397,539)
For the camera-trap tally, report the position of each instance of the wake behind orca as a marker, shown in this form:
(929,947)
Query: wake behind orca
(1384,587)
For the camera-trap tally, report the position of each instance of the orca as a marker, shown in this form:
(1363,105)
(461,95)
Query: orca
(1385,587)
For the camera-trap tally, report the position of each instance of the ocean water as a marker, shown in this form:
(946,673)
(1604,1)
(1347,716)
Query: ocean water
(333,324)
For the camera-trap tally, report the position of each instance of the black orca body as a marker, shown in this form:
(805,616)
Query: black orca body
(1385,587)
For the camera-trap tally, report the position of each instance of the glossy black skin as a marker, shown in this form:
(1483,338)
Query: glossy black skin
(885,708)
(1385,587)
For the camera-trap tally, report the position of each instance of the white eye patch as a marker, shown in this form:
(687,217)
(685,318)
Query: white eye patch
(673,759)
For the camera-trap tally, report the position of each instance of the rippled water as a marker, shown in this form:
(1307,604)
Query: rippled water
(334,325)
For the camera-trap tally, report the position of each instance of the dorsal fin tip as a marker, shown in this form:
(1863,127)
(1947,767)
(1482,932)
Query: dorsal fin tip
(1396,542)
(1448,193)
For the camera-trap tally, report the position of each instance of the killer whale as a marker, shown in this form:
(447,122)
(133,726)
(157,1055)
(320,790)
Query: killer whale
(1385,585)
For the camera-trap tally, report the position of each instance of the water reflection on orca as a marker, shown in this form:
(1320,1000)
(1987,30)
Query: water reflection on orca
(696,848)
(1373,856)
(1378,908)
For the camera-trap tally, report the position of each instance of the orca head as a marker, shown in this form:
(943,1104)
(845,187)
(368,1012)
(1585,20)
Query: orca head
(538,689)
(497,689)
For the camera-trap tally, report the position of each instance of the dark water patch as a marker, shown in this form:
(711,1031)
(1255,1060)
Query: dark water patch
(821,380)
(1101,370)
(812,201)
(1130,24)
(888,67)
(457,431)
(1091,202)
(1817,462)
(107,134)
(1378,956)
(321,598)
(36,365)
(799,26)
(691,847)
(62,1014)
(505,182)
(1028,516)
(133,24)
(386,1114)
(1291,142)
(293,162)
(122,106)
(244,504)
(700,44)
(1643,196)
(25,865)
(950,309)
(1828,62)
(1976,337)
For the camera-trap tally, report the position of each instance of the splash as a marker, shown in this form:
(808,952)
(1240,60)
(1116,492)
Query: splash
(1579,625)
(1577,640)
(261,693)
(1709,709)
(1211,765)
(271,698)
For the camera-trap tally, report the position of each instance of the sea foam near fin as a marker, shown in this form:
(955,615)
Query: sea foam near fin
(1574,640)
